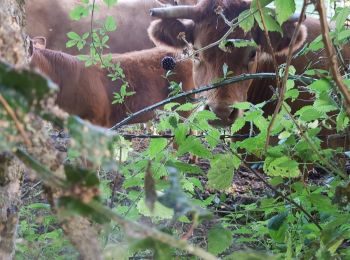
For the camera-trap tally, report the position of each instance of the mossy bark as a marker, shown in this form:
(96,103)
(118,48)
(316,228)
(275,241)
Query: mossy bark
(12,50)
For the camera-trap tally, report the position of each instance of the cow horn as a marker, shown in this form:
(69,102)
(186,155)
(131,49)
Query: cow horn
(181,12)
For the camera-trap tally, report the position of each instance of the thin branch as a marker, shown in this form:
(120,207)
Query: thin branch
(282,85)
(333,62)
(18,125)
(223,83)
(266,32)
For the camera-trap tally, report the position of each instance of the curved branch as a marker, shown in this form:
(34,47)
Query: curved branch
(223,83)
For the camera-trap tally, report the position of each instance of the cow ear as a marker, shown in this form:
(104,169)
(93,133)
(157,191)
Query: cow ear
(166,32)
(280,42)
(39,42)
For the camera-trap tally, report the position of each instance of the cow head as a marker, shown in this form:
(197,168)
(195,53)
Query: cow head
(203,26)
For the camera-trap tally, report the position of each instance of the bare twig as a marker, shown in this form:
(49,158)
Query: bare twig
(18,125)
(282,85)
(223,83)
(333,62)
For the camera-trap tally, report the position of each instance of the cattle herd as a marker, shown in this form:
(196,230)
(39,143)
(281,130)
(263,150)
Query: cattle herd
(147,31)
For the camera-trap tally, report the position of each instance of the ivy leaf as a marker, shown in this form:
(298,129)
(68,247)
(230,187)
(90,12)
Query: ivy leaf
(219,239)
(284,9)
(222,167)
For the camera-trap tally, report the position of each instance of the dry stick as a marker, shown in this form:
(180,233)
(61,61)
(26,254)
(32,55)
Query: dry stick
(282,86)
(137,230)
(208,87)
(18,125)
(333,62)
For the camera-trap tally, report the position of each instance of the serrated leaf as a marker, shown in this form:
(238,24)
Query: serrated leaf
(309,113)
(281,166)
(284,9)
(219,239)
(157,145)
(237,125)
(222,168)
(242,105)
(246,20)
(321,85)
(186,107)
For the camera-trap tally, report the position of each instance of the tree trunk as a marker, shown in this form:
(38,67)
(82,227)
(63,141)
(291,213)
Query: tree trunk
(11,171)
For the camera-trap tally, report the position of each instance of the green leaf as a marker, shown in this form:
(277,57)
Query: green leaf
(246,20)
(78,12)
(237,125)
(309,113)
(194,146)
(239,43)
(281,166)
(341,18)
(110,3)
(242,105)
(156,146)
(186,107)
(159,211)
(110,24)
(222,168)
(321,85)
(271,24)
(278,227)
(284,9)
(73,36)
(219,239)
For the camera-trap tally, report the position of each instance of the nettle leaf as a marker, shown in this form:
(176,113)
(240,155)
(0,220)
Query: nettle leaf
(186,107)
(219,239)
(110,3)
(277,226)
(110,24)
(342,121)
(282,166)
(246,20)
(309,113)
(284,9)
(194,146)
(319,86)
(222,168)
(213,137)
(237,125)
(322,203)
(157,145)
(242,105)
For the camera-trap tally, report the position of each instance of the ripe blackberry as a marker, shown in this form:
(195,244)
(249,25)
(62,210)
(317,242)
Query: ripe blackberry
(168,63)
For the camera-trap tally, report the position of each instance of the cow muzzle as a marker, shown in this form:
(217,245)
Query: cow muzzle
(226,114)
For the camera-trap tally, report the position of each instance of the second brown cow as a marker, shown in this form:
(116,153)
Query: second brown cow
(88,91)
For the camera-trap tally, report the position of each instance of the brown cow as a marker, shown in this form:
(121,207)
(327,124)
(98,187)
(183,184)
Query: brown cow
(206,27)
(88,91)
(50,19)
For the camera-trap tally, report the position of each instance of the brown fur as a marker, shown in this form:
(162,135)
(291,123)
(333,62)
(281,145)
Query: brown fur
(206,28)
(88,91)
(49,18)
